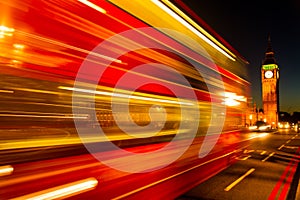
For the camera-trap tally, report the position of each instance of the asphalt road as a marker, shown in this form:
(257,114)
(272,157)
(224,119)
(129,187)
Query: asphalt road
(269,169)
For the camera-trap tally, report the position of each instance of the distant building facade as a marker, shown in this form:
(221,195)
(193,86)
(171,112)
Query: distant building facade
(270,86)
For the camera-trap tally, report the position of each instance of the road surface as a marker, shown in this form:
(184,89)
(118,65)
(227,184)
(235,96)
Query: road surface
(268,170)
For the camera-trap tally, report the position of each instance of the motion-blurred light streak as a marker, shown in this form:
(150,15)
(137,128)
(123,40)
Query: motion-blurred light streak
(66,116)
(182,21)
(67,46)
(260,135)
(92,5)
(62,191)
(72,140)
(194,24)
(19,46)
(47,174)
(125,96)
(6,31)
(6,170)
(7,91)
(232,99)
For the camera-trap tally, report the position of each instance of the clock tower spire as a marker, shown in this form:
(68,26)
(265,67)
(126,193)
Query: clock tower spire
(270,86)
(269,55)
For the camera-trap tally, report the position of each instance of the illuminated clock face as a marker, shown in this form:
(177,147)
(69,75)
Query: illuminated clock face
(268,74)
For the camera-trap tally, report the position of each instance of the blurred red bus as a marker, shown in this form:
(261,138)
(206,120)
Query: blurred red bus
(70,69)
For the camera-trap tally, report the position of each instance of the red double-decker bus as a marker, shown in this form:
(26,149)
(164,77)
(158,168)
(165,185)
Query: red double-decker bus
(115,99)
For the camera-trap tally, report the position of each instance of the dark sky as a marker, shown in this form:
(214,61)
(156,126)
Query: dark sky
(246,25)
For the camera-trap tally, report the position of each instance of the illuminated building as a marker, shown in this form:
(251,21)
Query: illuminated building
(270,86)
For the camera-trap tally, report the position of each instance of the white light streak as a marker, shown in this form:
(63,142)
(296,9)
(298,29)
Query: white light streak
(19,46)
(92,5)
(62,191)
(232,99)
(190,27)
(6,170)
(6,29)
(260,135)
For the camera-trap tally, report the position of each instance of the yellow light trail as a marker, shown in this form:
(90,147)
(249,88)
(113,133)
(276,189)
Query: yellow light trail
(125,96)
(71,140)
(69,116)
(7,91)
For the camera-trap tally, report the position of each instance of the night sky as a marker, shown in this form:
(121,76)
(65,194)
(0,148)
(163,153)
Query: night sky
(246,25)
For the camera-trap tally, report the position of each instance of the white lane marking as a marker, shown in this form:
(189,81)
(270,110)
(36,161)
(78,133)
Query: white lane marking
(269,156)
(291,147)
(229,187)
(248,151)
(263,152)
(244,158)
(288,141)
(281,147)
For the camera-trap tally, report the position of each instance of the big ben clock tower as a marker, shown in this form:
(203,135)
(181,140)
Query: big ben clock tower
(270,86)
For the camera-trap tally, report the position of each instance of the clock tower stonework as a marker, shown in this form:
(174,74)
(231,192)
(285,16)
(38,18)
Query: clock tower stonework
(270,86)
